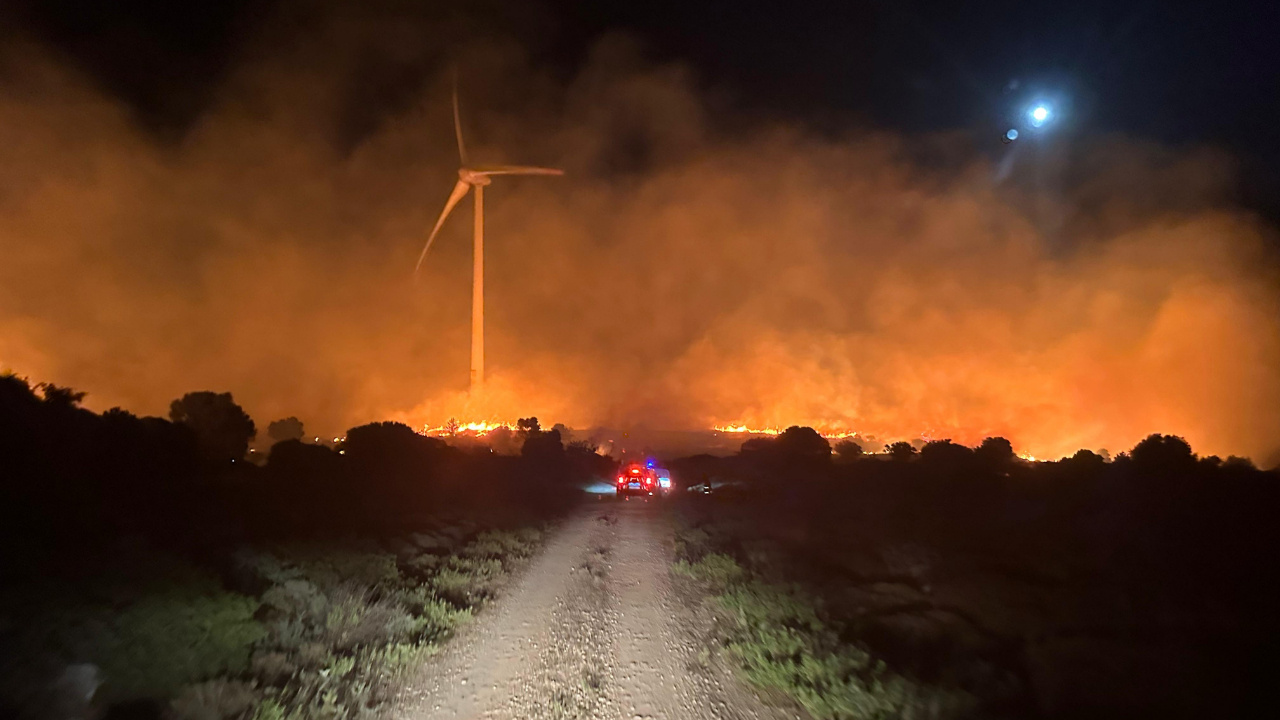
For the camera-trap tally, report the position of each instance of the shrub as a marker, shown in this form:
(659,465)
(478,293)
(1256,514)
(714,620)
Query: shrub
(485,547)
(345,686)
(716,569)
(215,700)
(328,567)
(269,710)
(153,645)
(780,642)
(503,544)
(692,543)
(436,617)
(322,567)
(464,587)
(297,598)
(272,666)
(355,619)
(161,642)
(424,565)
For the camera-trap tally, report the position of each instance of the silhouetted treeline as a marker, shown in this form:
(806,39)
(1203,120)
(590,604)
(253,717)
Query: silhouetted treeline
(68,475)
(1157,510)
(1158,571)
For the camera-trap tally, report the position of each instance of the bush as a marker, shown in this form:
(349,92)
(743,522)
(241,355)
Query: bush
(215,700)
(161,642)
(466,581)
(692,543)
(355,619)
(780,642)
(296,598)
(437,617)
(149,646)
(423,566)
(778,638)
(329,567)
(715,569)
(504,544)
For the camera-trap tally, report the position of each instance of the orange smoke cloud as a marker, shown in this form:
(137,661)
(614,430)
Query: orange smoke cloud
(676,277)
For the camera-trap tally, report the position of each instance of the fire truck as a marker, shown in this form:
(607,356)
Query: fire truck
(644,479)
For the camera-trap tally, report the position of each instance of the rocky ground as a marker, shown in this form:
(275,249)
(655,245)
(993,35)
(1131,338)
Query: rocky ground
(594,628)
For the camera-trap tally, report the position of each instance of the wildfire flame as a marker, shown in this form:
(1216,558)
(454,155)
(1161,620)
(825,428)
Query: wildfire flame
(478,428)
(826,432)
(481,428)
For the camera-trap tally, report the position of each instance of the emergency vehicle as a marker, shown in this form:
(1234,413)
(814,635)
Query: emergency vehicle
(645,479)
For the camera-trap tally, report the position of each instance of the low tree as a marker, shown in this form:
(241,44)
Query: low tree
(222,428)
(542,447)
(394,466)
(756,447)
(1085,463)
(803,444)
(565,434)
(303,467)
(1162,454)
(61,396)
(1235,462)
(944,453)
(504,441)
(289,428)
(847,451)
(388,443)
(995,454)
(901,450)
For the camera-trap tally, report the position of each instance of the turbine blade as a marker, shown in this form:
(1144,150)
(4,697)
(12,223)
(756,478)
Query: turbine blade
(515,170)
(457,121)
(459,192)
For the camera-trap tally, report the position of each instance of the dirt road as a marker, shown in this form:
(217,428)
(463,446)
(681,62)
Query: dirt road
(592,629)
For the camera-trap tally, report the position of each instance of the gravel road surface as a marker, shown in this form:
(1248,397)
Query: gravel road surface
(592,628)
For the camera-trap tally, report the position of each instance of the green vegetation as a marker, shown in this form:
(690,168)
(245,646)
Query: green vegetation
(1133,585)
(300,582)
(778,637)
(311,631)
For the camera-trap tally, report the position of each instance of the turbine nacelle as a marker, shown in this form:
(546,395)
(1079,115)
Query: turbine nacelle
(473,177)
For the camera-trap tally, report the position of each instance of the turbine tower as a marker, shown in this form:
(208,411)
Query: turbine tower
(475,176)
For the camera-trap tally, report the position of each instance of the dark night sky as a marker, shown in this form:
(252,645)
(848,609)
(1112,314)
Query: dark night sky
(1177,72)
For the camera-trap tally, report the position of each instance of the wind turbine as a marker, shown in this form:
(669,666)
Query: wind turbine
(477,176)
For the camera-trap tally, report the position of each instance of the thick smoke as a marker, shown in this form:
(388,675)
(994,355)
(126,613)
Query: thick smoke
(679,276)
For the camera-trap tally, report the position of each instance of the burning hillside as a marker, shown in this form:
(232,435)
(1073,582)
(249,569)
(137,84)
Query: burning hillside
(678,276)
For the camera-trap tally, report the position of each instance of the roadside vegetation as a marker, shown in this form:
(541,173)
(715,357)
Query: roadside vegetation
(947,581)
(149,575)
(291,631)
(780,639)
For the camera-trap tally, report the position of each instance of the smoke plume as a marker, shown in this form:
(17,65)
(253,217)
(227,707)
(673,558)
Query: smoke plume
(679,276)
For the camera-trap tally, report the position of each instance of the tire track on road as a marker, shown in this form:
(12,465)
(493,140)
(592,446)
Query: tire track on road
(592,629)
